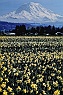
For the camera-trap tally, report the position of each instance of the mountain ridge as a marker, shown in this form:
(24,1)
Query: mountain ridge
(31,13)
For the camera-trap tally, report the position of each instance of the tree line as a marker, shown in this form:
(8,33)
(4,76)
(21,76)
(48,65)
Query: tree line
(39,30)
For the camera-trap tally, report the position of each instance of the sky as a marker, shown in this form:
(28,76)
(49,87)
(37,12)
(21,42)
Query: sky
(7,6)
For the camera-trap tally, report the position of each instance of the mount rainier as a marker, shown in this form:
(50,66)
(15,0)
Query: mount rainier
(31,13)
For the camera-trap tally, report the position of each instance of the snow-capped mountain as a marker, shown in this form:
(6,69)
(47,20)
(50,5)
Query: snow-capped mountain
(31,13)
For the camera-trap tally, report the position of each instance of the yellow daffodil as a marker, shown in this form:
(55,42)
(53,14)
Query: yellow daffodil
(3,85)
(24,90)
(1,79)
(18,88)
(55,84)
(12,93)
(9,89)
(0,89)
(57,92)
(5,92)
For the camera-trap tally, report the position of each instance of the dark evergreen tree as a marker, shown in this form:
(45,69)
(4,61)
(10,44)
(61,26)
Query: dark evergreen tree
(17,30)
(41,32)
(22,30)
(53,30)
(61,30)
(33,31)
(49,29)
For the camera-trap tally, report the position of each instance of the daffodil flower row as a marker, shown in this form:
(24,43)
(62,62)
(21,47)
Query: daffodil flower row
(31,65)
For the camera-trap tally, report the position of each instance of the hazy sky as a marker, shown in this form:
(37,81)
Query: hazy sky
(7,6)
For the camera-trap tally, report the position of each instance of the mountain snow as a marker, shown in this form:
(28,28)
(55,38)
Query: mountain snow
(31,13)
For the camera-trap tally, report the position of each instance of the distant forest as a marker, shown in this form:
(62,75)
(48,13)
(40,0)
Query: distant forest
(38,31)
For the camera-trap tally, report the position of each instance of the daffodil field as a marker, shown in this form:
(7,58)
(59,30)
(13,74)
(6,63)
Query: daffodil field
(31,65)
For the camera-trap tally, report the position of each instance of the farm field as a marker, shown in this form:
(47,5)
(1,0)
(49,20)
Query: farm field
(31,65)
